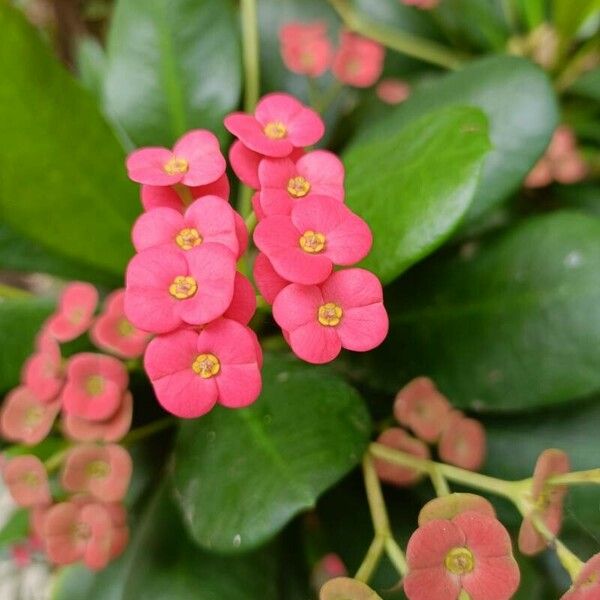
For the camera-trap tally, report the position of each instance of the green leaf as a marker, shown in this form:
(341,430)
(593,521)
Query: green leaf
(20,321)
(414,186)
(588,85)
(569,15)
(16,528)
(161,562)
(511,324)
(521,107)
(63,179)
(173,65)
(241,475)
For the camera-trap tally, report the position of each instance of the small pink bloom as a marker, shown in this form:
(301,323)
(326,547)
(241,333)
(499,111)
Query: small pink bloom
(358,61)
(268,282)
(120,531)
(243,305)
(392,90)
(257,208)
(563,143)
(471,553)
(540,175)
(24,418)
(546,500)
(305,48)
(76,308)
(463,442)
(280,124)
(21,554)
(346,311)
(42,372)
(26,479)
(207,220)
(166,288)
(283,183)
(74,532)
(422,4)
(103,472)
(398,439)
(177,198)
(195,160)
(327,568)
(570,169)
(241,231)
(37,515)
(113,332)
(448,507)
(111,430)
(345,588)
(319,233)
(95,386)
(191,371)
(587,584)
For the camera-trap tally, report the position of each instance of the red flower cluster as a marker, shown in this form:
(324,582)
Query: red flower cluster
(183,284)
(304,231)
(422,408)
(90,390)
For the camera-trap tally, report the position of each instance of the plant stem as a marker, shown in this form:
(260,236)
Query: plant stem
(400,41)
(135,435)
(9,291)
(576,478)
(371,560)
(250,56)
(56,460)
(440,485)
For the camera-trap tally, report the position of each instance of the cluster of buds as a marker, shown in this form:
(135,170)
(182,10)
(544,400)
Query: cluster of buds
(422,408)
(305,230)
(89,391)
(306,49)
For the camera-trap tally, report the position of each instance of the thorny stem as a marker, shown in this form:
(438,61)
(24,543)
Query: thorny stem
(400,41)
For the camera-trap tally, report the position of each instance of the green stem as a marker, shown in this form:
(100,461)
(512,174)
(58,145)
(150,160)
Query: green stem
(251,222)
(56,460)
(381,523)
(371,560)
(135,435)
(440,485)
(576,478)
(251,53)
(400,41)
(8,291)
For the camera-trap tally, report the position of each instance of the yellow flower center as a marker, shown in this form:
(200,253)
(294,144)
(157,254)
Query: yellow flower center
(298,187)
(94,385)
(97,468)
(459,561)
(275,130)
(31,479)
(33,416)
(312,242)
(330,314)
(176,166)
(206,365)
(124,327)
(188,238)
(76,316)
(183,287)
(592,579)
(81,531)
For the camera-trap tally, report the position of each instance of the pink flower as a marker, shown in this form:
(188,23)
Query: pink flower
(179,197)
(113,332)
(305,48)
(463,442)
(345,588)
(195,160)
(112,429)
(570,169)
(420,406)
(328,567)
(166,288)
(24,418)
(546,501)
(27,481)
(448,507)
(268,282)
(283,183)
(346,311)
(421,4)
(358,61)
(392,90)
(243,305)
(207,220)
(103,472)
(541,175)
(95,386)
(471,553)
(74,532)
(256,207)
(75,311)
(280,124)
(587,584)
(191,371)
(398,439)
(319,233)
(120,531)
(42,371)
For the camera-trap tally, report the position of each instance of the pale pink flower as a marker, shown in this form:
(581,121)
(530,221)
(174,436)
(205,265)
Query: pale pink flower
(42,372)
(587,584)
(541,175)
(243,304)
(345,588)
(319,233)
(346,311)
(305,47)
(327,567)
(267,280)
(463,442)
(120,530)
(397,439)
(256,207)
(75,311)
(191,371)
(392,90)
(358,61)
(95,386)
(27,481)
(448,507)
(195,160)
(280,123)
(167,288)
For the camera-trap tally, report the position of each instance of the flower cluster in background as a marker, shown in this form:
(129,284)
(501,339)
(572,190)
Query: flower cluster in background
(85,520)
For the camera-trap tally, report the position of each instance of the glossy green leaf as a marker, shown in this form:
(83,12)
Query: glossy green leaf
(414,186)
(16,528)
(172,65)
(510,324)
(62,177)
(20,321)
(569,15)
(161,562)
(588,85)
(241,475)
(520,104)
